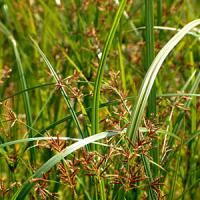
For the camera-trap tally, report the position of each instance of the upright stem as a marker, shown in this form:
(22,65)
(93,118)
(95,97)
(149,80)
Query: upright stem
(149,22)
(151,110)
(159,12)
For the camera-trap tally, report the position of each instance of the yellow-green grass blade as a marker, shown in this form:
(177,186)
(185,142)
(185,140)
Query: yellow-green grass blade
(63,92)
(23,83)
(24,190)
(159,12)
(193,146)
(151,76)
(151,108)
(174,179)
(36,139)
(98,82)
(194,33)
(149,53)
(26,90)
(146,90)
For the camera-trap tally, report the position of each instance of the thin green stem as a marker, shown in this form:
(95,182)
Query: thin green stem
(23,83)
(149,22)
(98,82)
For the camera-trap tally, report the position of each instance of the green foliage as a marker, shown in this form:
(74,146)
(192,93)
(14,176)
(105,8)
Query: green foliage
(71,73)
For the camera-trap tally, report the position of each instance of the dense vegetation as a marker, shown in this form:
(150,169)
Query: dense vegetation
(99,99)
